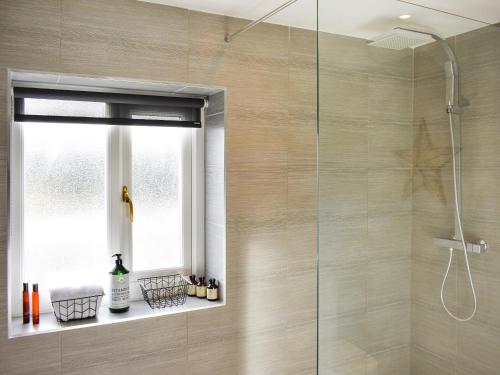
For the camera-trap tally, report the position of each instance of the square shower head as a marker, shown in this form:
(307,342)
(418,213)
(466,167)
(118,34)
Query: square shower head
(399,39)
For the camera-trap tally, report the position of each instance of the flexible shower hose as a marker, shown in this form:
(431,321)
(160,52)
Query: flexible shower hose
(461,233)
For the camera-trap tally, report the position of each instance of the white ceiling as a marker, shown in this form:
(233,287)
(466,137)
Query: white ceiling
(359,18)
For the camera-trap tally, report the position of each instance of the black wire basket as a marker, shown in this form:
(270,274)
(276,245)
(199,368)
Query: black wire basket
(164,291)
(77,308)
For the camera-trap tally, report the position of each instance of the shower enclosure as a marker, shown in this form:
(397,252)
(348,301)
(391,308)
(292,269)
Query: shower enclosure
(408,190)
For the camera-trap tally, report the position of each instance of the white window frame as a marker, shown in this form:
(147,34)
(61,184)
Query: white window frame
(118,227)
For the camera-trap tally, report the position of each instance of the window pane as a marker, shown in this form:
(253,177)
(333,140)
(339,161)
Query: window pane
(52,107)
(157,199)
(64,209)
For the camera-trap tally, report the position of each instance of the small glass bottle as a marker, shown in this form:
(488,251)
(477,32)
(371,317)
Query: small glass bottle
(201,288)
(26,303)
(35,301)
(192,286)
(212,290)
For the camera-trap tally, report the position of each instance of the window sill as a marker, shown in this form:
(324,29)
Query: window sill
(138,310)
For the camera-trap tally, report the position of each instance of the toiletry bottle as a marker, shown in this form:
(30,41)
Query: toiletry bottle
(26,303)
(119,287)
(212,290)
(35,301)
(192,286)
(201,288)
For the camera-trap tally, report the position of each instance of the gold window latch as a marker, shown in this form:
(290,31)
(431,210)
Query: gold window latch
(126,199)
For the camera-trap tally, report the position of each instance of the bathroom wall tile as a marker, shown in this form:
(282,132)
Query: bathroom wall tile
(251,141)
(434,331)
(154,364)
(389,191)
(301,347)
(30,35)
(342,290)
(101,346)
(429,99)
(388,282)
(343,143)
(390,63)
(343,53)
(393,361)
(480,194)
(478,47)
(257,197)
(478,347)
(39,354)
(343,192)
(264,353)
(342,239)
(480,141)
(433,191)
(481,90)
(389,145)
(487,288)
(387,327)
(391,99)
(389,236)
(128,39)
(424,362)
(261,252)
(426,284)
(343,94)
(342,341)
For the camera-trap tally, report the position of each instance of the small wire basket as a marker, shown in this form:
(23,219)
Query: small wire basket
(162,291)
(77,308)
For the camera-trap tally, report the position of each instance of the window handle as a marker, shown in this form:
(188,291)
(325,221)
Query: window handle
(126,198)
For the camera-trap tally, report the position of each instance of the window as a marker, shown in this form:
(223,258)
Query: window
(67,181)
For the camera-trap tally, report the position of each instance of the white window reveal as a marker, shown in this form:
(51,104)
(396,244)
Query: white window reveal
(72,157)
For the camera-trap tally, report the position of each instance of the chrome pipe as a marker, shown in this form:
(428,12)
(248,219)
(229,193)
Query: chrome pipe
(230,37)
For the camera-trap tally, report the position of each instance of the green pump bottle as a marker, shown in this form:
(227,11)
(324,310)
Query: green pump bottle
(119,287)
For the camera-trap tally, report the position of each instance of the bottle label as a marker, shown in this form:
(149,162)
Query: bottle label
(191,290)
(212,294)
(201,291)
(119,291)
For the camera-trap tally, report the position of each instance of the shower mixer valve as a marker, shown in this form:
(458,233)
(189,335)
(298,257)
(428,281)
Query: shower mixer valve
(480,247)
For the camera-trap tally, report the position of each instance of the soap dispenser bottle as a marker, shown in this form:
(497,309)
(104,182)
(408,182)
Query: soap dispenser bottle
(119,287)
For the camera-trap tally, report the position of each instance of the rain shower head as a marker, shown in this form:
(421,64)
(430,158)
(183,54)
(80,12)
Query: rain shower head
(400,38)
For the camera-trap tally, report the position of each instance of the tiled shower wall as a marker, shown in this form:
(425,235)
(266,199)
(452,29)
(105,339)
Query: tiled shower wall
(365,202)
(440,346)
(267,327)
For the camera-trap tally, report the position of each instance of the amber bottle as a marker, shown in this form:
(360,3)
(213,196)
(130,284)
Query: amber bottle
(212,290)
(26,303)
(201,288)
(35,301)
(192,286)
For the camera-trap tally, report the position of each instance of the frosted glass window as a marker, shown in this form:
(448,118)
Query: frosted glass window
(156,190)
(64,209)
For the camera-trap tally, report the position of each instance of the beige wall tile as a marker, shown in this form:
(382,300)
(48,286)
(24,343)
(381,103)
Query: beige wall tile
(389,145)
(389,191)
(389,236)
(30,35)
(101,346)
(342,290)
(34,354)
(424,362)
(130,39)
(388,282)
(390,362)
(434,331)
(387,327)
(478,347)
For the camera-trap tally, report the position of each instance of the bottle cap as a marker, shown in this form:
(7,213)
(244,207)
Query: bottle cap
(25,287)
(35,287)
